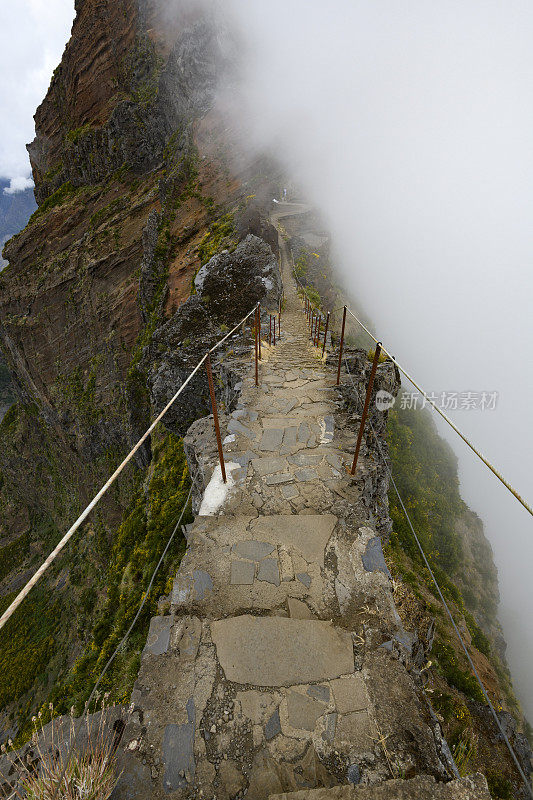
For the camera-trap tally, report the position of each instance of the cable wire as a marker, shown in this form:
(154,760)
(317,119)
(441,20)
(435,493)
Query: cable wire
(72,530)
(449,421)
(445,604)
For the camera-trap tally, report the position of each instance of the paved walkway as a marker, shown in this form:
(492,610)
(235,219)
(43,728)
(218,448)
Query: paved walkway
(276,669)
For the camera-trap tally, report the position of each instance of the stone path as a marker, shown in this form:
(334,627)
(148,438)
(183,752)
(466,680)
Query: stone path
(282,664)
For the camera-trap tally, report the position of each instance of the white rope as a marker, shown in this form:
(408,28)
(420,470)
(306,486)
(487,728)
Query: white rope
(449,421)
(445,604)
(83,516)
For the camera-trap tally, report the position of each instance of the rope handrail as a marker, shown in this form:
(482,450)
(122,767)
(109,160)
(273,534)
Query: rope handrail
(444,416)
(442,598)
(447,419)
(85,513)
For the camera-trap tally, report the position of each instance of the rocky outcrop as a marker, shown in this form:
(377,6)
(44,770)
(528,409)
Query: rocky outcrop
(227,288)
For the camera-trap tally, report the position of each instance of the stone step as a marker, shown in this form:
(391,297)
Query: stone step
(423,787)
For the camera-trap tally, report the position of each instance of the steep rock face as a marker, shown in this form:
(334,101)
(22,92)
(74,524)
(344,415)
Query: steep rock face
(132,180)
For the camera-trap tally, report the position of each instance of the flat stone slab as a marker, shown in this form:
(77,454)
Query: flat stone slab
(350,694)
(423,787)
(267,466)
(235,426)
(276,480)
(158,636)
(306,475)
(299,609)
(269,571)
(302,711)
(271,439)
(278,651)
(289,492)
(309,533)
(253,550)
(242,573)
(373,559)
(178,752)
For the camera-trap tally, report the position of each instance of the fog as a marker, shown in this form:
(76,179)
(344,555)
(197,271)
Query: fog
(411,127)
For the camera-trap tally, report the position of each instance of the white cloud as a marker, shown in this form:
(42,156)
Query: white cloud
(34,34)
(18,184)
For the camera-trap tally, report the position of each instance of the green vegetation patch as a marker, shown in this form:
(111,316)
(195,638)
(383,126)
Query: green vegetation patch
(65,191)
(136,550)
(425,470)
(220,236)
(76,134)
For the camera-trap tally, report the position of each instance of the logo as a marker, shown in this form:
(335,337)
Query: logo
(384,400)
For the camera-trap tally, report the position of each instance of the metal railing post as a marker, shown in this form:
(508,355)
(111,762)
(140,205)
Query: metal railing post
(341,346)
(365,409)
(325,335)
(270,329)
(317,338)
(258,314)
(256,352)
(215,416)
(279,324)
(274,333)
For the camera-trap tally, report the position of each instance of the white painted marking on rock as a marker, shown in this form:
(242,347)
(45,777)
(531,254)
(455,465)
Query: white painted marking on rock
(216,492)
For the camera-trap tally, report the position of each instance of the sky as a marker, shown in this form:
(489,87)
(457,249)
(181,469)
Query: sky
(411,126)
(34,34)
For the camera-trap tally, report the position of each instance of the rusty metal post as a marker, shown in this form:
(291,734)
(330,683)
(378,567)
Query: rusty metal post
(258,314)
(317,337)
(274,333)
(325,335)
(256,353)
(215,416)
(341,346)
(279,324)
(270,330)
(365,409)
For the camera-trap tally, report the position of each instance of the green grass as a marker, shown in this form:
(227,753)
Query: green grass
(221,234)
(135,552)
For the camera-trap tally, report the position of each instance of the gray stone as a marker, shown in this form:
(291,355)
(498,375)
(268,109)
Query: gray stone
(202,583)
(303,711)
(242,573)
(308,534)
(319,693)
(306,475)
(303,432)
(178,752)
(267,466)
(275,480)
(271,439)
(240,413)
(305,459)
(304,578)
(423,787)
(373,559)
(289,492)
(289,437)
(158,636)
(269,571)
(350,694)
(234,426)
(353,774)
(279,651)
(273,726)
(253,550)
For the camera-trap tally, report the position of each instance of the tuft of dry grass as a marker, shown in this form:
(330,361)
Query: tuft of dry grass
(65,769)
